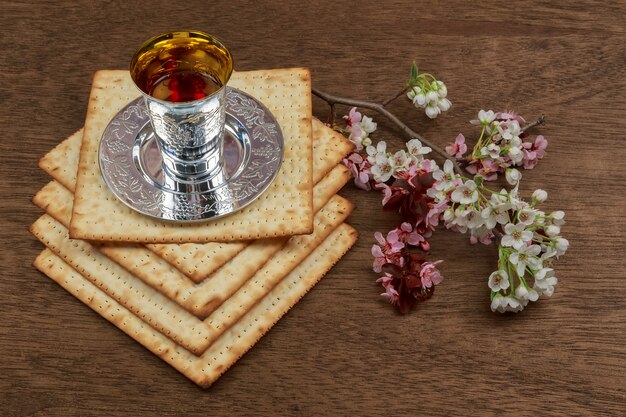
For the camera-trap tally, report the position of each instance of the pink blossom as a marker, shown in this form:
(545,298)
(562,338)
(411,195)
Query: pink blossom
(386,280)
(403,284)
(387,193)
(434,214)
(406,174)
(430,275)
(353,125)
(427,166)
(390,192)
(356,132)
(485,239)
(387,251)
(414,170)
(360,169)
(540,146)
(353,118)
(533,152)
(486,167)
(509,115)
(391,294)
(458,148)
(529,160)
(473,166)
(408,235)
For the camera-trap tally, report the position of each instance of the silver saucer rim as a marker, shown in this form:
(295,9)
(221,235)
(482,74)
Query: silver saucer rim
(262,159)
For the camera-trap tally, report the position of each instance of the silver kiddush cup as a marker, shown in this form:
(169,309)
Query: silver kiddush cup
(183,76)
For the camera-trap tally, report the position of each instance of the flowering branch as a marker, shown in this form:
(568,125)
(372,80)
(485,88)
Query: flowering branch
(380,108)
(425,195)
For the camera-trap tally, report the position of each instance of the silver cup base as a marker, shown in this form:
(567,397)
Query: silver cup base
(132,164)
(149,162)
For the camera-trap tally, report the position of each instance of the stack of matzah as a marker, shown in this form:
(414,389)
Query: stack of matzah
(197,295)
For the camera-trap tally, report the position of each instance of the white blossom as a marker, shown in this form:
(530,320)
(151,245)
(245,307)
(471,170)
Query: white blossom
(373,152)
(504,304)
(516,236)
(382,171)
(552,230)
(526,256)
(444,104)
(489,217)
(436,194)
(432,111)
(502,199)
(492,150)
(368,125)
(460,217)
(545,281)
(473,220)
(513,176)
(515,202)
(540,195)
(440,87)
(516,155)
(432,97)
(466,193)
(543,273)
(484,117)
(446,178)
(448,215)
(456,219)
(417,96)
(523,293)
(481,234)
(495,304)
(495,213)
(515,142)
(499,280)
(400,160)
(548,252)
(561,246)
(416,148)
(558,218)
(509,130)
(526,216)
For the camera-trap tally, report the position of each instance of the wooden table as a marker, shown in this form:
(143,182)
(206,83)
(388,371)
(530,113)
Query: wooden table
(342,350)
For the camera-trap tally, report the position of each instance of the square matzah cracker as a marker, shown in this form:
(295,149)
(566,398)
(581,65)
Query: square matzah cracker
(284,209)
(232,344)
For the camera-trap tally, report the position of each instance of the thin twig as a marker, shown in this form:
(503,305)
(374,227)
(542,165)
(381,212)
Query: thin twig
(379,108)
(398,94)
(331,115)
(534,123)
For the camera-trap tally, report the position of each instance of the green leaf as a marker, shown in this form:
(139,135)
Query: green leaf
(413,76)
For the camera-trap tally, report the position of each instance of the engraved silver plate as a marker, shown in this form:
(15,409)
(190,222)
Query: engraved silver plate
(132,166)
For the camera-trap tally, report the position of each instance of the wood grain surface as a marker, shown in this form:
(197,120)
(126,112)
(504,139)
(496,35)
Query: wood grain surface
(342,350)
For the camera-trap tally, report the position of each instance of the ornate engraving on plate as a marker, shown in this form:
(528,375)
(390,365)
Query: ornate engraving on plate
(263,151)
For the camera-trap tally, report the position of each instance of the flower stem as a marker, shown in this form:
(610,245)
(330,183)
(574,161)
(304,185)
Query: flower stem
(379,108)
